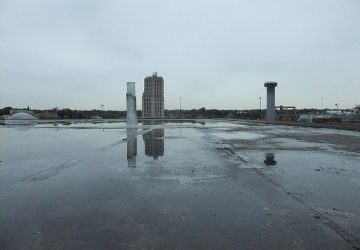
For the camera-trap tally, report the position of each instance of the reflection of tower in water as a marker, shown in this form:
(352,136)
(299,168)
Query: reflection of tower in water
(154,140)
(270,159)
(131,146)
(131,120)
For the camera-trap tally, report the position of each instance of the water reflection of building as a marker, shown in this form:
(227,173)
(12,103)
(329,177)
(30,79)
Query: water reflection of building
(154,139)
(131,146)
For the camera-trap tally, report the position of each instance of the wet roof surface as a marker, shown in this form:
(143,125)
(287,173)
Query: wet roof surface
(222,185)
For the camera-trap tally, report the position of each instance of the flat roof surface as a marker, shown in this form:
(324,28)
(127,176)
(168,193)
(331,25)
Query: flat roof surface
(218,185)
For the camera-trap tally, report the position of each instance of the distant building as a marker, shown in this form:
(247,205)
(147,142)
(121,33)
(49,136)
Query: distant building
(286,113)
(230,116)
(357,109)
(47,115)
(14,111)
(21,118)
(96,117)
(312,116)
(331,116)
(3,117)
(153,97)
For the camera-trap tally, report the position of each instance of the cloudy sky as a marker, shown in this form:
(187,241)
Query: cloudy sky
(214,54)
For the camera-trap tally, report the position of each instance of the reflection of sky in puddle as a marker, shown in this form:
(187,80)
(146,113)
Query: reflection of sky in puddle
(298,144)
(56,170)
(330,176)
(80,124)
(43,150)
(39,154)
(223,125)
(237,135)
(112,124)
(283,130)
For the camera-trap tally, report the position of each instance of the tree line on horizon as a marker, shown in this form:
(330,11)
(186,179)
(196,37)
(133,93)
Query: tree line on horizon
(67,113)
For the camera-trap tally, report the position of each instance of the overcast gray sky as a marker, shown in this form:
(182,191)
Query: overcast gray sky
(213,54)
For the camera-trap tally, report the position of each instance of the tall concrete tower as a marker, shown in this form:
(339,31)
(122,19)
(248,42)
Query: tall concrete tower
(131,116)
(270,98)
(153,97)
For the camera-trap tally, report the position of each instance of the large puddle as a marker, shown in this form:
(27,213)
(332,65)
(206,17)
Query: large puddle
(90,185)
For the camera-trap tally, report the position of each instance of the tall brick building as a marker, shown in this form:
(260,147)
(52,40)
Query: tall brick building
(153,97)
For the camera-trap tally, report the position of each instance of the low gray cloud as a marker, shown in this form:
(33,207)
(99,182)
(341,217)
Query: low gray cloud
(214,54)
